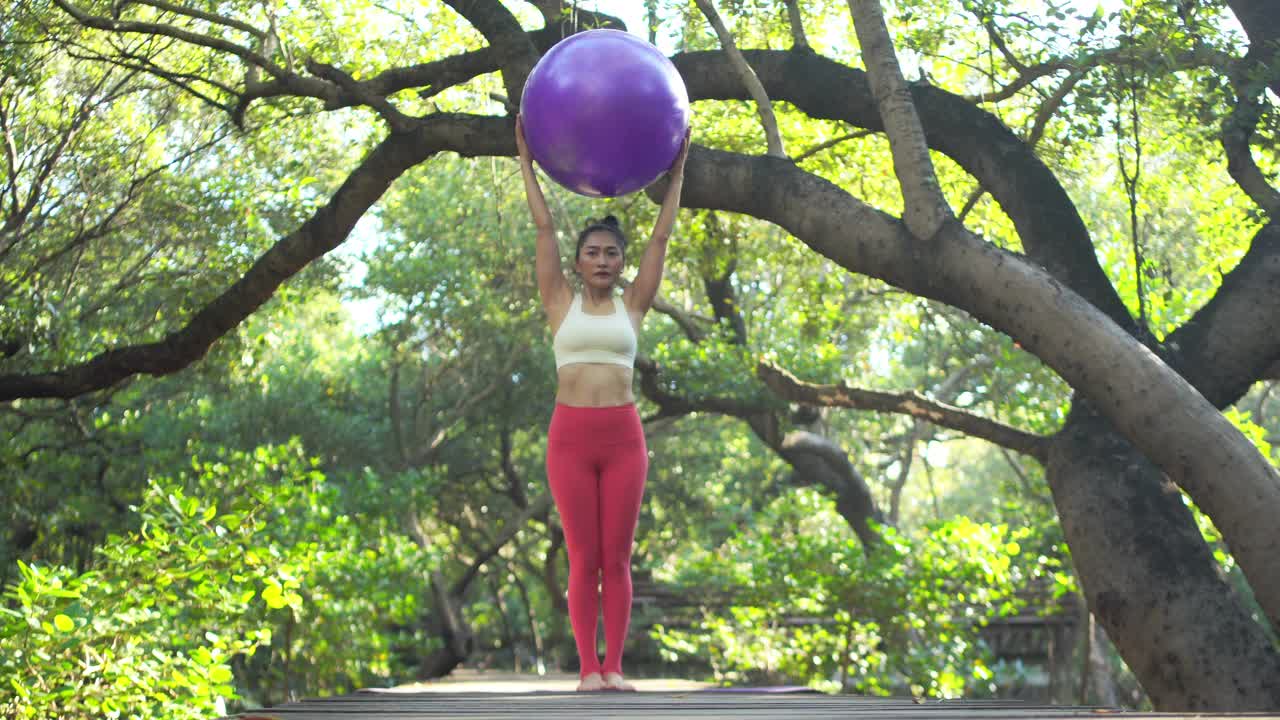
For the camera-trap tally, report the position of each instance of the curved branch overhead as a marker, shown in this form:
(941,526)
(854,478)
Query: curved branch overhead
(764,108)
(148,28)
(327,228)
(1047,221)
(1258,70)
(906,403)
(1234,340)
(1118,376)
(509,48)
(926,207)
(814,459)
(515,53)
(1261,22)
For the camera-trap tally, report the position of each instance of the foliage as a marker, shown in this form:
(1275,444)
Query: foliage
(244,563)
(804,603)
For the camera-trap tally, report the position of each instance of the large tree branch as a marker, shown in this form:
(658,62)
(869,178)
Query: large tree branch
(1250,77)
(926,207)
(1051,229)
(748,78)
(326,229)
(211,17)
(537,508)
(146,28)
(439,75)
(689,323)
(1261,22)
(1149,403)
(909,403)
(515,53)
(429,78)
(1237,131)
(1047,222)
(1234,340)
(509,48)
(817,459)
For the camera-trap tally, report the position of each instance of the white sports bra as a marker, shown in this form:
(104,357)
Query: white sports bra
(583,338)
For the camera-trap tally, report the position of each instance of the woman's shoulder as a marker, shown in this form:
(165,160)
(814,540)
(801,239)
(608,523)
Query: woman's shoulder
(627,297)
(558,308)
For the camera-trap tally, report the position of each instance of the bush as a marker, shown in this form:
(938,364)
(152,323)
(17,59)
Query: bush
(238,572)
(808,606)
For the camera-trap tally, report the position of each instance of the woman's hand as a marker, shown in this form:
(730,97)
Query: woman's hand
(521,146)
(677,166)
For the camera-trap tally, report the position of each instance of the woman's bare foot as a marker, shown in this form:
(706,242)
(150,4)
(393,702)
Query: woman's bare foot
(614,681)
(592,683)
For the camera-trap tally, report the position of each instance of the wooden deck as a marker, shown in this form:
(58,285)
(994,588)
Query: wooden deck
(698,704)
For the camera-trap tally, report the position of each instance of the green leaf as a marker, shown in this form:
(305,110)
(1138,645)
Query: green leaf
(274,597)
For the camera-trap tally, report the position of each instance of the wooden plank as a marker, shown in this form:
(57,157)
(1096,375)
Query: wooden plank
(695,705)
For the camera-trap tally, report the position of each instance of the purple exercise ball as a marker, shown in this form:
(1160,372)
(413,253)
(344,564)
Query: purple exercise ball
(605,113)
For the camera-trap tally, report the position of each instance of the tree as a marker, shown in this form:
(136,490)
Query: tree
(1145,424)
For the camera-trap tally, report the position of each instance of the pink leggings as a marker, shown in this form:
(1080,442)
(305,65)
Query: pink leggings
(596,465)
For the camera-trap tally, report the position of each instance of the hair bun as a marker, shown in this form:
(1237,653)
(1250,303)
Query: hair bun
(609,220)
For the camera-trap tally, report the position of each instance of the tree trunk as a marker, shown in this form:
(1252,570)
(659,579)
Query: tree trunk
(451,626)
(1151,580)
(535,633)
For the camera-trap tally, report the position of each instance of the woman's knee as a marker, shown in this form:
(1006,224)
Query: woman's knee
(584,561)
(616,564)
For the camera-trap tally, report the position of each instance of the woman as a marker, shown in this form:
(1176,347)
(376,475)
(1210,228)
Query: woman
(596,455)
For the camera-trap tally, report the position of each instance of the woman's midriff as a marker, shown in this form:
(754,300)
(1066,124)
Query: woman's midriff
(594,385)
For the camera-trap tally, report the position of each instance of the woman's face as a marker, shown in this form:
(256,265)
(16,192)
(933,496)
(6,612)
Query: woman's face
(600,260)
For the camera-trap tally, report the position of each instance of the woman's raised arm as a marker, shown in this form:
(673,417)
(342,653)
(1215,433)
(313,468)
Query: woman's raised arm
(640,294)
(552,285)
